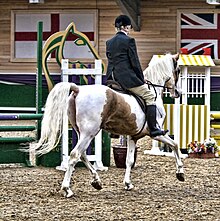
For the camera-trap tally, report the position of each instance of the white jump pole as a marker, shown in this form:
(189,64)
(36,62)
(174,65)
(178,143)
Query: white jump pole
(97,157)
(207,97)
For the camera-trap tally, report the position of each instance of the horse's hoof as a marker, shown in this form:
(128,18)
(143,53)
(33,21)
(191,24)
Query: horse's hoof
(67,192)
(128,186)
(180,177)
(96,184)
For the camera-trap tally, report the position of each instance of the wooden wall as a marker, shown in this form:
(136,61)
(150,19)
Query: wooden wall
(158,25)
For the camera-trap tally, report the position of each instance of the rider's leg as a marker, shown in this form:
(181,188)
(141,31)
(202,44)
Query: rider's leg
(144,92)
(152,121)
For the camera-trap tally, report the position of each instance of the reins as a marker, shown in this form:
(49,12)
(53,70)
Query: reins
(154,86)
(157,85)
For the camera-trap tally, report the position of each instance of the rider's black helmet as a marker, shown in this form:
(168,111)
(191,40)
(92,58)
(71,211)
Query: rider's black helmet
(122,20)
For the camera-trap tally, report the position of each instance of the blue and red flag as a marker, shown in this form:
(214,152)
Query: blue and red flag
(199,31)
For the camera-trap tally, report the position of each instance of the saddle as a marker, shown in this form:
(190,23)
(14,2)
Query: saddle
(114,85)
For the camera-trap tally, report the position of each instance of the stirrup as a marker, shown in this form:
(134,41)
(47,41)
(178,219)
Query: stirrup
(158,132)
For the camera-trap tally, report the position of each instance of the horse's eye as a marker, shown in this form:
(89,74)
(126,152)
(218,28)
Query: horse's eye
(80,42)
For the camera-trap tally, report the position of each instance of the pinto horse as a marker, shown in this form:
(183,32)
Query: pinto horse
(91,108)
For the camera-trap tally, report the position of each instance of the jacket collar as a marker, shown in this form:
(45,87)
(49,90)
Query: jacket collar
(121,33)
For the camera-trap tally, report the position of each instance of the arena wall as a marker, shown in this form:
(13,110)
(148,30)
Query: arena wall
(158,33)
(160,29)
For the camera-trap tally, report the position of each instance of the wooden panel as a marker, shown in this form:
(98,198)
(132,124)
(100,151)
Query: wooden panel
(158,35)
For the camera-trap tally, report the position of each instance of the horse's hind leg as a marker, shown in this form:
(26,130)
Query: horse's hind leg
(75,156)
(129,163)
(174,146)
(96,182)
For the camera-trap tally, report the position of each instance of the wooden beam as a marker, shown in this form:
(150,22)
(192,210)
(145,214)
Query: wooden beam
(132,9)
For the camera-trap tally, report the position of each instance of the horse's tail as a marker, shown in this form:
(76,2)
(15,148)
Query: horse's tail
(55,107)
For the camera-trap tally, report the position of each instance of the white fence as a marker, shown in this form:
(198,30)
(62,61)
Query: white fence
(190,122)
(97,157)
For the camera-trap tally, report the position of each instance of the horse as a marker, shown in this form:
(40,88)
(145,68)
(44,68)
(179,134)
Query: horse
(91,108)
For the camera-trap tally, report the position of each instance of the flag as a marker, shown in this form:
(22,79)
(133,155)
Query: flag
(201,30)
(25,36)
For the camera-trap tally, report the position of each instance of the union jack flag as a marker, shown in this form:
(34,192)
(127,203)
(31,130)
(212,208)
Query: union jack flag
(201,30)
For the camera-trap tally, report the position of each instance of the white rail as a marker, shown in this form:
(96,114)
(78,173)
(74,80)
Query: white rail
(97,156)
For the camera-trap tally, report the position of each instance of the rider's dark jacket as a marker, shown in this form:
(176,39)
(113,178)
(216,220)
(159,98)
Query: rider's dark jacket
(123,61)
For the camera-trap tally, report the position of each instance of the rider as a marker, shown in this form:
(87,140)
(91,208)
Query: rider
(124,67)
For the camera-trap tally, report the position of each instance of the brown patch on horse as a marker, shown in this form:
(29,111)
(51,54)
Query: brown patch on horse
(117,117)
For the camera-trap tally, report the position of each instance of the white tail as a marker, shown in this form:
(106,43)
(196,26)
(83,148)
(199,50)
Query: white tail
(51,127)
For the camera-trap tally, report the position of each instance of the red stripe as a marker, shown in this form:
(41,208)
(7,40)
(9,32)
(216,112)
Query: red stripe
(32,36)
(200,46)
(200,34)
(54,27)
(218,27)
(189,20)
(25,36)
(72,37)
(55,23)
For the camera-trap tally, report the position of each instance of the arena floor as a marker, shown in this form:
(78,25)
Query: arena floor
(34,193)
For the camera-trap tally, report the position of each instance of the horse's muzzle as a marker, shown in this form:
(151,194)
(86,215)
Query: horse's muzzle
(177,93)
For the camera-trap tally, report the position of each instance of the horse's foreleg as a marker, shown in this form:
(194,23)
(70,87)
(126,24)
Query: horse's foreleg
(75,156)
(174,146)
(96,182)
(129,163)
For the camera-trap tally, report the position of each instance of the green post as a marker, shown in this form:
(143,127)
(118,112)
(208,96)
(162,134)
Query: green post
(106,148)
(39,74)
(81,78)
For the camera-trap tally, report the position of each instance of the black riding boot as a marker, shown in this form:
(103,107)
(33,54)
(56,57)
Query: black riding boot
(151,120)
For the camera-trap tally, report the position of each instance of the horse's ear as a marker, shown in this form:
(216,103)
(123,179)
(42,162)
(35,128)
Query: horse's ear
(176,56)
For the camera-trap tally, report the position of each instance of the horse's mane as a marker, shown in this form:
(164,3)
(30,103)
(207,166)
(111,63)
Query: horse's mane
(159,69)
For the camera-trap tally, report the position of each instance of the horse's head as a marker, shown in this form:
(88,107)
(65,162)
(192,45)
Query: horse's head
(172,82)
(163,72)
